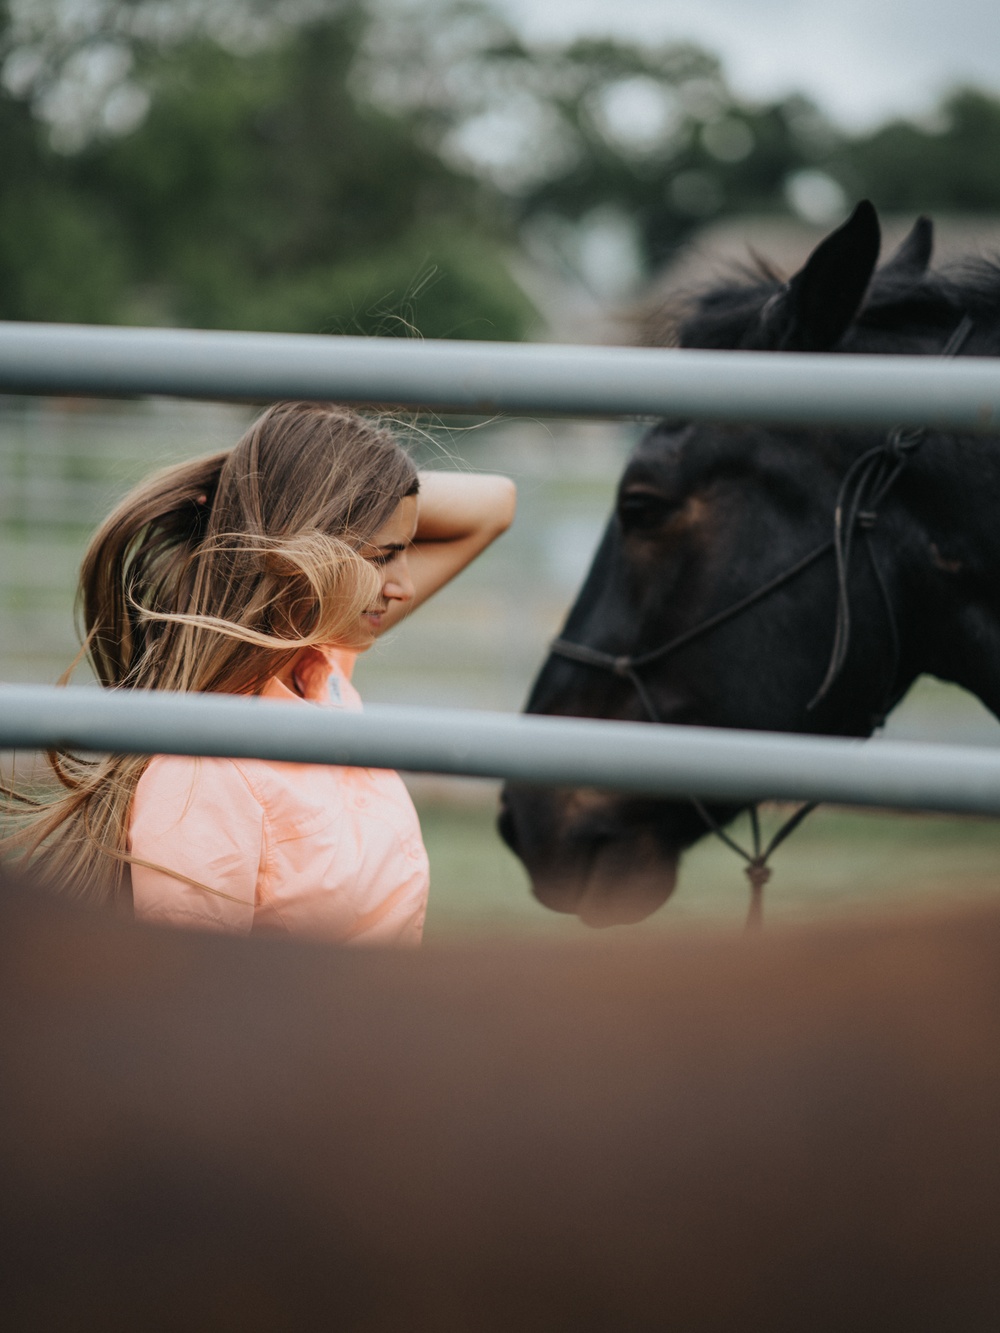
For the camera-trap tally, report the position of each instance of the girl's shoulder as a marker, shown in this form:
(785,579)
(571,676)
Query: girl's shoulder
(174,785)
(290,796)
(283,800)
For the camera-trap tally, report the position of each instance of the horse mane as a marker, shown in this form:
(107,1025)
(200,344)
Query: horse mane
(738,293)
(898,304)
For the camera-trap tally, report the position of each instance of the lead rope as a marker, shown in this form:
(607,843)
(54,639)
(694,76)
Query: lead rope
(757,870)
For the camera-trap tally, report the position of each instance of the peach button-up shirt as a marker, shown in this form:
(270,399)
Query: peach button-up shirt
(299,849)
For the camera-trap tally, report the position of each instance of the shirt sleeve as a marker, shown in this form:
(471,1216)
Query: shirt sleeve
(200,824)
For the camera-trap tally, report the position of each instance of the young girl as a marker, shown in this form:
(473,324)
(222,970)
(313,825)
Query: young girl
(263,571)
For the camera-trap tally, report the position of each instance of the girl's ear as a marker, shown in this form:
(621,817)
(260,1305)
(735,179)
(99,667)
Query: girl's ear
(818,305)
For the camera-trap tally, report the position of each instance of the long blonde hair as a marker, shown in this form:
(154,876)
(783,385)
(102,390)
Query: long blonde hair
(212,576)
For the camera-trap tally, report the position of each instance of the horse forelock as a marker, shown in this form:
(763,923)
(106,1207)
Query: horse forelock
(711,315)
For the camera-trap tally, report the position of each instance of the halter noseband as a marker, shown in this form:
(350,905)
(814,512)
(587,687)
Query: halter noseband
(865,486)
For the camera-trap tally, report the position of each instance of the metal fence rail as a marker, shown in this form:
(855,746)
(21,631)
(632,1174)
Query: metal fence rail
(625,756)
(503,377)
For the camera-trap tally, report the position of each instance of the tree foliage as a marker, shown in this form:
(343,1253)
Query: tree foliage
(654,133)
(258,191)
(368,165)
(948,164)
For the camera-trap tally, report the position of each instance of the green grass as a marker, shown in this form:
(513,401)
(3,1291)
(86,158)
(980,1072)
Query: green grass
(838,861)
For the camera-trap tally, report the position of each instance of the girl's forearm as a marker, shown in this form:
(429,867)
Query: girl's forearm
(453,506)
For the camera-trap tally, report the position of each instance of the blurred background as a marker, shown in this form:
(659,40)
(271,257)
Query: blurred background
(468,170)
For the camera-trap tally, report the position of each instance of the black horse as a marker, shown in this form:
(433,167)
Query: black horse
(723,580)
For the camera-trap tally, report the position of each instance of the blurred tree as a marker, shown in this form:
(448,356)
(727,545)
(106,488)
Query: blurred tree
(602,146)
(60,252)
(949,163)
(595,134)
(258,190)
(367,165)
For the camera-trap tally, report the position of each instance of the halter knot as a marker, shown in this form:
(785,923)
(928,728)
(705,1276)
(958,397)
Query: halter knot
(622,666)
(903,441)
(758,872)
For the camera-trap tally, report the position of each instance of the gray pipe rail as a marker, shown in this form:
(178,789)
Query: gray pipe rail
(623,756)
(487,378)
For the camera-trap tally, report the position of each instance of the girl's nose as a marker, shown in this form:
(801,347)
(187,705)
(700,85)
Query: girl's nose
(398,587)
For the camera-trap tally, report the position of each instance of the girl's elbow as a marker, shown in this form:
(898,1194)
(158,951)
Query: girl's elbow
(506,505)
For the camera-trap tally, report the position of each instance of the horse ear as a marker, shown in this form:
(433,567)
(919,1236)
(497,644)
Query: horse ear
(825,295)
(913,257)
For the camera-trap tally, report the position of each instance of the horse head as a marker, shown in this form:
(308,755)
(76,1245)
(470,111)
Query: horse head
(714,590)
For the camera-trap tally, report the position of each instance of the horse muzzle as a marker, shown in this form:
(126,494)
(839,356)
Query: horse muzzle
(579,862)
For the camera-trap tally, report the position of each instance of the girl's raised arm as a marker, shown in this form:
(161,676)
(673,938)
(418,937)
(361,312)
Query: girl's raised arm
(458,515)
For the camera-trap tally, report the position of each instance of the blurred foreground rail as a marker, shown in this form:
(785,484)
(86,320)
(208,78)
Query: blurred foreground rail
(791,1132)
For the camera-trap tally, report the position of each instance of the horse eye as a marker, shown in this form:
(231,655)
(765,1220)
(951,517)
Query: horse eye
(642,510)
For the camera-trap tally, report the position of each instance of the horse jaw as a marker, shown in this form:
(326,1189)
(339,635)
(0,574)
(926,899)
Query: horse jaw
(623,883)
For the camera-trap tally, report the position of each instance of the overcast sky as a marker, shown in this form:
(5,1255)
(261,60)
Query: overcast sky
(862,60)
